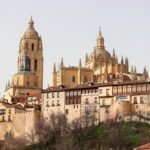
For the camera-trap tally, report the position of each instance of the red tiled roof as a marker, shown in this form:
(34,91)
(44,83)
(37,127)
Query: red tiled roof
(143,147)
(90,85)
(8,105)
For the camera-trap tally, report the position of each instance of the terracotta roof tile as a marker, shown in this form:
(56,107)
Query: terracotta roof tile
(143,147)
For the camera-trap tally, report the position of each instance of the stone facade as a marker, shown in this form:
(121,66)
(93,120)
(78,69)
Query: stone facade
(71,76)
(103,101)
(14,118)
(29,78)
(99,66)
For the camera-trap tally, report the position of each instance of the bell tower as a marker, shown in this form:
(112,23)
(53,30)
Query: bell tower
(29,77)
(31,42)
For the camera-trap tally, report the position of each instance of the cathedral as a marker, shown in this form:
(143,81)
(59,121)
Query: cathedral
(29,77)
(99,67)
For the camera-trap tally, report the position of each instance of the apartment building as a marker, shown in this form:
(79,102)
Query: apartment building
(102,101)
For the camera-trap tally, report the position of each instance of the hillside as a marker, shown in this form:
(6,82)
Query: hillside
(124,135)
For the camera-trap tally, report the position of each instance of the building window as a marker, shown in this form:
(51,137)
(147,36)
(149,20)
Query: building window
(144,88)
(115,91)
(96,100)
(57,94)
(120,89)
(67,93)
(47,95)
(107,92)
(87,111)
(52,95)
(107,110)
(58,102)
(141,100)
(71,93)
(9,111)
(101,91)
(103,102)
(129,89)
(2,111)
(112,100)
(79,93)
(87,101)
(135,100)
(47,103)
(75,93)
(35,65)
(32,47)
(148,87)
(67,111)
(53,104)
(73,79)
(134,87)
(139,88)
(124,89)
(3,118)
(9,118)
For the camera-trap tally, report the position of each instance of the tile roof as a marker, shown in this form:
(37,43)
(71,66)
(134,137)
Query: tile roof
(90,85)
(143,147)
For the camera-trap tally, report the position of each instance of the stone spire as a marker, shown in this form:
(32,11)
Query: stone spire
(6,87)
(116,59)
(122,61)
(31,23)
(126,61)
(132,70)
(8,84)
(62,63)
(135,70)
(86,56)
(100,40)
(145,73)
(80,63)
(113,55)
(94,54)
(54,68)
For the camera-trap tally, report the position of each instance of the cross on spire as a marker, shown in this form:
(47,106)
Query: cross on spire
(100,32)
(31,23)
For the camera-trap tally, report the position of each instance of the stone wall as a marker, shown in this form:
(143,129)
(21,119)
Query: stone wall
(22,125)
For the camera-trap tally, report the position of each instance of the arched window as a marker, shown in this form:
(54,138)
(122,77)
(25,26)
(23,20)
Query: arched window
(73,79)
(32,47)
(35,65)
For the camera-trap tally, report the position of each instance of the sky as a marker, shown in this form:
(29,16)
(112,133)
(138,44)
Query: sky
(69,29)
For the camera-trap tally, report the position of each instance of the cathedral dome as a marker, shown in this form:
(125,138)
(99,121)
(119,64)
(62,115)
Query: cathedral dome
(31,32)
(101,53)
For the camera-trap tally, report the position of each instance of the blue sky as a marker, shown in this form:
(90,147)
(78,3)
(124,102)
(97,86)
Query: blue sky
(69,29)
